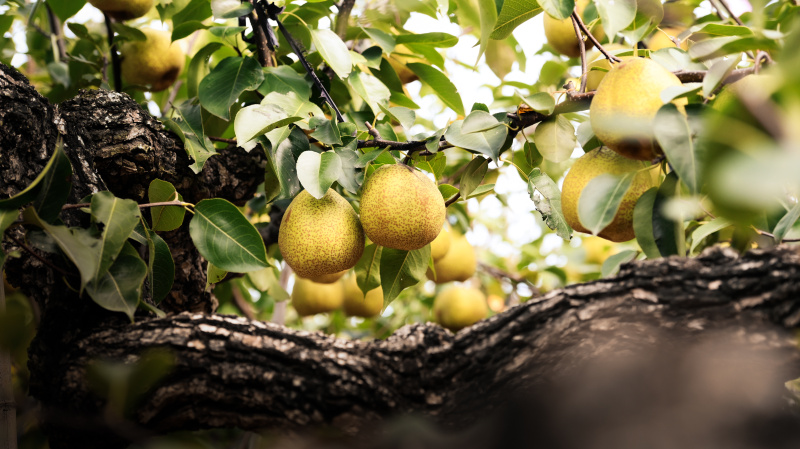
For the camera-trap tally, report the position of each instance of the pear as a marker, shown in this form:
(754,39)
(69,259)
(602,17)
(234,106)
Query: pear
(329,278)
(561,36)
(356,304)
(320,237)
(154,62)
(441,244)
(401,208)
(625,104)
(459,307)
(310,298)
(458,264)
(123,9)
(590,165)
(661,39)
(597,249)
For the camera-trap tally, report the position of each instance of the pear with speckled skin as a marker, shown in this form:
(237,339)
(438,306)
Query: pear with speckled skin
(401,208)
(459,307)
(156,62)
(310,298)
(318,237)
(441,244)
(458,264)
(123,9)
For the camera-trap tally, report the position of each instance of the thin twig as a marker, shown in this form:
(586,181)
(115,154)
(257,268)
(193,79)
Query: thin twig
(55,28)
(37,256)
(116,65)
(502,274)
(577,18)
(242,304)
(373,132)
(582,46)
(769,234)
(141,206)
(222,139)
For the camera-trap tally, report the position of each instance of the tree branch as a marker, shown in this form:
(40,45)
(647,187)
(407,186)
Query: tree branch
(55,29)
(116,64)
(345,8)
(577,19)
(582,46)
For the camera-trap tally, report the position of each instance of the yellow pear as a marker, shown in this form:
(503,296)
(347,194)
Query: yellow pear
(458,264)
(310,298)
(401,208)
(594,77)
(155,62)
(328,278)
(592,164)
(561,36)
(320,236)
(356,304)
(661,39)
(459,307)
(597,249)
(625,104)
(123,9)
(441,244)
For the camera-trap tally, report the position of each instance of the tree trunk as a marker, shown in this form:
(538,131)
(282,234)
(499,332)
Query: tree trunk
(697,345)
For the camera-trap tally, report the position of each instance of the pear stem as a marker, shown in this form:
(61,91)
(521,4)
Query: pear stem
(116,64)
(577,19)
(582,46)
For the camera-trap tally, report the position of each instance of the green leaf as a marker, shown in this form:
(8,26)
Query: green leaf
(197,67)
(317,172)
(721,46)
(526,159)
(432,164)
(230,10)
(120,288)
(190,129)
(479,121)
(715,225)
(161,268)
(600,200)
(488,18)
(643,223)
(370,89)
(55,186)
(351,178)
(448,192)
(254,121)
(119,217)
(65,9)
(719,29)
(683,91)
(226,82)
(326,131)
(473,175)
(294,106)
(649,14)
(31,192)
(549,202)
(367,269)
(406,117)
(401,269)
(616,15)
(386,41)
(284,79)
(186,29)
(674,136)
(164,218)
(668,234)
(786,223)
(558,9)
(513,14)
(441,40)
(7,217)
(333,51)
(541,102)
(196,10)
(612,264)
(487,143)
(286,163)
(717,73)
(440,84)
(214,274)
(226,238)
(481,190)
(555,139)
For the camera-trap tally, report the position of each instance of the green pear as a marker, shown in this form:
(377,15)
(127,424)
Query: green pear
(626,103)
(155,62)
(561,35)
(310,298)
(592,164)
(320,236)
(459,307)
(401,208)
(123,9)
(458,264)
(356,304)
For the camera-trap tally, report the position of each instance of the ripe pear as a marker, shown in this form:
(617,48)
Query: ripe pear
(594,77)
(320,237)
(441,244)
(661,39)
(597,249)
(401,208)
(459,307)
(458,264)
(155,62)
(625,105)
(123,9)
(587,167)
(561,36)
(310,298)
(356,304)
(328,278)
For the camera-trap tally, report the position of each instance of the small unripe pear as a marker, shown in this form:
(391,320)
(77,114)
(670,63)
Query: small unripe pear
(318,237)
(625,105)
(441,244)
(401,208)
(123,9)
(155,62)
(592,164)
(458,264)
(661,39)
(561,35)
(310,298)
(459,307)
(356,304)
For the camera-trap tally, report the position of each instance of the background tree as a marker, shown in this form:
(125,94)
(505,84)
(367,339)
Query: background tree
(113,130)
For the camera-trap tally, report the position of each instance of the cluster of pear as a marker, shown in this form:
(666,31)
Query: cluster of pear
(156,61)
(310,298)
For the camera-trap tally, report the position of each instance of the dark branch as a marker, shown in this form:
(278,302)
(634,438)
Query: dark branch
(55,28)
(345,8)
(116,65)
(582,45)
(577,19)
